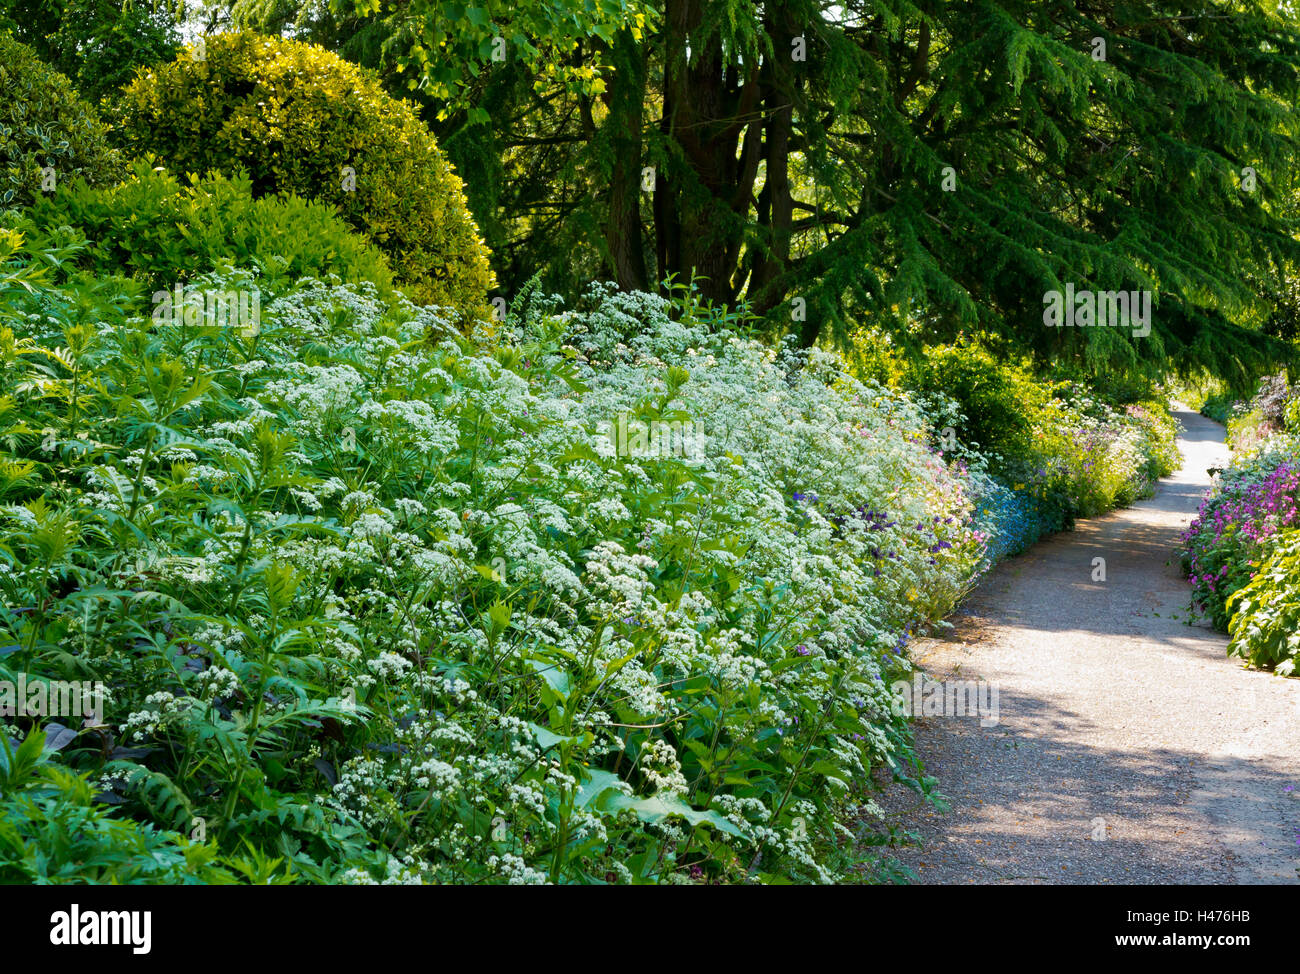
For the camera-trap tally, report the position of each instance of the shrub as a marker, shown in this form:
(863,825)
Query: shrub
(1246,428)
(1159,431)
(1219,406)
(53,831)
(1257,498)
(1265,612)
(294,116)
(1250,423)
(1272,398)
(873,357)
(43,124)
(1107,457)
(154,229)
(1242,553)
(1001,401)
(1039,454)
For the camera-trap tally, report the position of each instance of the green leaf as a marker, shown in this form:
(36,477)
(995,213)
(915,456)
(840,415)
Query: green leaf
(597,784)
(656,808)
(548,738)
(556,678)
(499,613)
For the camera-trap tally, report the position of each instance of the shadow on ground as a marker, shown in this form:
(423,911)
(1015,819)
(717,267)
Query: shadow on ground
(1129,748)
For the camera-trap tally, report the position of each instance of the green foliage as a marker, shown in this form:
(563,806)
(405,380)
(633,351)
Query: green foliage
(940,163)
(1107,456)
(1252,419)
(1041,453)
(1242,553)
(873,357)
(153,228)
(381,602)
(1246,426)
(295,117)
(1000,401)
(1219,406)
(448,43)
(1265,612)
(96,43)
(52,830)
(1253,501)
(44,126)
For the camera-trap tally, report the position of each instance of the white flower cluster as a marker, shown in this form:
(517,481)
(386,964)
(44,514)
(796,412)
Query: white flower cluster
(429,527)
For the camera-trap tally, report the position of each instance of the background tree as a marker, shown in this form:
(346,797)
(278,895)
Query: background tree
(97,43)
(931,168)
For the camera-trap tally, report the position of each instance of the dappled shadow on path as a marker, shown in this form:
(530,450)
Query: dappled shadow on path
(1037,795)
(1120,716)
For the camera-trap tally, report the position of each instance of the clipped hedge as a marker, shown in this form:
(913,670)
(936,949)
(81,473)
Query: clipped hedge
(44,124)
(296,117)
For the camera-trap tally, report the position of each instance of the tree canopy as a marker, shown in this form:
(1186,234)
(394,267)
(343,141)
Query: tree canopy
(926,168)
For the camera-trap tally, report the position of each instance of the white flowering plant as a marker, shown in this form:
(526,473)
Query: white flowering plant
(379,601)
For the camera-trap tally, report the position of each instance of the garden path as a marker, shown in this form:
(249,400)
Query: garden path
(1114,713)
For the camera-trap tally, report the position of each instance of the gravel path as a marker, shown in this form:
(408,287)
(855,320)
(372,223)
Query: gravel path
(1113,713)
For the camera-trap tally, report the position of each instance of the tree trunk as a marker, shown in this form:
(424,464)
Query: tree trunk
(703,201)
(623,228)
(778,100)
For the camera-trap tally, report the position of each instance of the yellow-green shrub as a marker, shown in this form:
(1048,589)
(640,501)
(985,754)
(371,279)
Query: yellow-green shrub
(153,228)
(1002,402)
(44,124)
(294,116)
